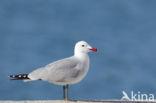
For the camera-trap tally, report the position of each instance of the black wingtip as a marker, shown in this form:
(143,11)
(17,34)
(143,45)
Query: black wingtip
(18,77)
(12,76)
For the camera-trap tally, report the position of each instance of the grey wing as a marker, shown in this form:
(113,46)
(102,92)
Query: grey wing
(59,71)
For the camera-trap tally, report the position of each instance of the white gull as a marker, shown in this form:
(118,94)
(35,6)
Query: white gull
(63,72)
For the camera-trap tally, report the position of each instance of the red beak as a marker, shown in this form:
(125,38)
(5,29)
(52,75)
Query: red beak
(93,49)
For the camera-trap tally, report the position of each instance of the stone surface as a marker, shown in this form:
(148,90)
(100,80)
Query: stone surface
(77,101)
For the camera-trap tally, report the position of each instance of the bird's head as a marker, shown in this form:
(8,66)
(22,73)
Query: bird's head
(83,47)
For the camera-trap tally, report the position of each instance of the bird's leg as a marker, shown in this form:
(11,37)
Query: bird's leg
(64,90)
(67,92)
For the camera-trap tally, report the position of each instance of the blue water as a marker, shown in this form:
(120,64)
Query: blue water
(34,33)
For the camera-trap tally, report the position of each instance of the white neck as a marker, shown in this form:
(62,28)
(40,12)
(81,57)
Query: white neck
(81,55)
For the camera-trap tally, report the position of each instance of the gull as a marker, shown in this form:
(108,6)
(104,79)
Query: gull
(63,72)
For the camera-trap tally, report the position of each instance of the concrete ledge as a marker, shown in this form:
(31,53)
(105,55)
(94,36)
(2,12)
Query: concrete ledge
(77,101)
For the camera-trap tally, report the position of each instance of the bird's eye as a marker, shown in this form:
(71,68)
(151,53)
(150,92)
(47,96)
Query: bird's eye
(83,45)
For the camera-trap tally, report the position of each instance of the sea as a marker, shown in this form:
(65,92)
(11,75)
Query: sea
(34,33)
